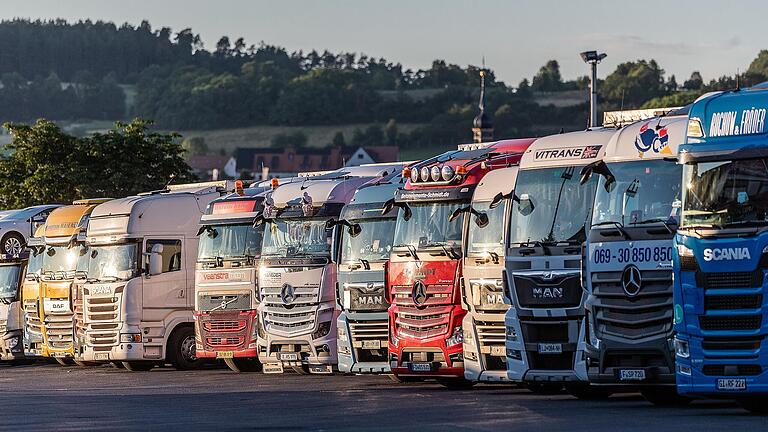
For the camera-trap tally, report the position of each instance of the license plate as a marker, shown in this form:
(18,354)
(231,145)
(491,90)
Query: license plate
(101,356)
(498,351)
(420,367)
(371,344)
(550,348)
(225,354)
(273,368)
(320,369)
(732,384)
(58,354)
(632,375)
(288,356)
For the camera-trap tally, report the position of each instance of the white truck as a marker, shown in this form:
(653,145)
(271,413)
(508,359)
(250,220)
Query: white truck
(12,269)
(138,299)
(297,274)
(548,222)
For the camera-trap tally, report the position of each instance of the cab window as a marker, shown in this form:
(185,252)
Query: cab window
(171,254)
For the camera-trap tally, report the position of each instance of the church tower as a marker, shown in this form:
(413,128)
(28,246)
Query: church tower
(482,126)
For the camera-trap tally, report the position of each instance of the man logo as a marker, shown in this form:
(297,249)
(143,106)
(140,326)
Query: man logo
(419,293)
(288,294)
(631,280)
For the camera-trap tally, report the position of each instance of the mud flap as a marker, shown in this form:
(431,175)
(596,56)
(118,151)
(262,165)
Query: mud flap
(320,369)
(273,368)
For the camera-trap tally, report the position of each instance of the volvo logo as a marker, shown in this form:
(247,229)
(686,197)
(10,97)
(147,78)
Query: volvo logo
(419,293)
(631,280)
(287,294)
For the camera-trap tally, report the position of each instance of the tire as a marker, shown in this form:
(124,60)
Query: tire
(757,405)
(82,363)
(181,349)
(401,380)
(117,365)
(456,383)
(665,397)
(588,392)
(139,366)
(243,364)
(301,370)
(545,389)
(63,361)
(12,243)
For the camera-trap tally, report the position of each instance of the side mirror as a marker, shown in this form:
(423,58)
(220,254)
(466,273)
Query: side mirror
(258,220)
(82,251)
(496,200)
(481,220)
(330,223)
(456,213)
(586,174)
(407,213)
(156,260)
(388,206)
(525,205)
(354,230)
(50,252)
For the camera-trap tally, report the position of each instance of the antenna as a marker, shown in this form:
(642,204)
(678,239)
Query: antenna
(481,104)
(170,179)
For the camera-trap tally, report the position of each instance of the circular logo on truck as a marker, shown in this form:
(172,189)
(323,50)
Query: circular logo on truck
(287,294)
(631,280)
(419,293)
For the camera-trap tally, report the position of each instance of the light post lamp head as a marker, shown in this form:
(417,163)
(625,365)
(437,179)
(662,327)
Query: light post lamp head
(592,56)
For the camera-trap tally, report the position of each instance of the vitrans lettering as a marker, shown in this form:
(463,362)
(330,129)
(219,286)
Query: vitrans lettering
(586,152)
(726,254)
(752,121)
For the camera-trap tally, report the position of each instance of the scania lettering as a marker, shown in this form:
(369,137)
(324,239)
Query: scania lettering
(366,241)
(544,332)
(225,289)
(64,270)
(297,273)
(12,269)
(481,289)
(138,301)
(424,271)
(627,268)
(721,251)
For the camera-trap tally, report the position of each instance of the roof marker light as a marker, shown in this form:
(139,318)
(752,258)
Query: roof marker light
(275,183)
(461,170)
(239,187)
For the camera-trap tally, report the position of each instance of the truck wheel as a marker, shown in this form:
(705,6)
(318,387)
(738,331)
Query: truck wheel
(456,383)
(544,389)
(13,243)
(139,366)
(181,349)
(85,363)
(665,397)
(588,392)
(758,405)
(63,361)
(243,364)
(117,365)
(301,370)
(402,379)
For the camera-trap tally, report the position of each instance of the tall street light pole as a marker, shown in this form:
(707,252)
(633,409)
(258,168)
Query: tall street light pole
(593,58)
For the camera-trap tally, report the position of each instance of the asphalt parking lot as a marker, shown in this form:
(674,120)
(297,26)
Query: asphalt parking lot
(51,397)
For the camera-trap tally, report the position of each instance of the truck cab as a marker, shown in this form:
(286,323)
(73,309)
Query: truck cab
(628,265)
(549,217)
(63,271)
(138,300)
(366,241)
(30,296)
(424,271)
(12,272)
(297,273)
(721,251)
(226,319)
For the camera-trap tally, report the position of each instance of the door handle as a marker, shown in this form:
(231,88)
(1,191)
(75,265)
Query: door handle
(181,293)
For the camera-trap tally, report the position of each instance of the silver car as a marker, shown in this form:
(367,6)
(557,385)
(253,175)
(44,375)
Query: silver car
(16,226)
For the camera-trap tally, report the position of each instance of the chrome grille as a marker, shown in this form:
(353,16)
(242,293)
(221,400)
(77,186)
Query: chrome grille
(369,330)
(422,323)
(101,317)
(490,333)
(297,317)
(3,326)
(59,330)
(32,322)
(647,314)
(225,330)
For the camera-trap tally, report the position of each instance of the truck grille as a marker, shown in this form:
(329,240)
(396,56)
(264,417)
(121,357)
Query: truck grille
(207,302)
(734,322)
(59,331)
(562,361)
(492,334)
(559,291)
(225,330)
(374,330)
(726,302)
(732,370)
(3,326)
(77,305)
(32,320)
(729,279)
(647,314)
(422,323)
(296,318)
(732,344)
(101,315)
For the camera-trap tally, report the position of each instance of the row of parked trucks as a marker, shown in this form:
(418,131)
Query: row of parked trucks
(625,257)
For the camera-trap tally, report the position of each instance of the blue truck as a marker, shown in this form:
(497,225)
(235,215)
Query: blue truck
(720,257)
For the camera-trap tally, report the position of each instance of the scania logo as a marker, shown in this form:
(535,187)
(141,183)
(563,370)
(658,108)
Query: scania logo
(631,280)
(288,294)
(419,293)
(718,254)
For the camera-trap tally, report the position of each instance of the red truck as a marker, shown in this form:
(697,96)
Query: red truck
(424,271)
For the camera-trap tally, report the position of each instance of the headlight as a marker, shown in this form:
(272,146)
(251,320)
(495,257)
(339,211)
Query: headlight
(467,336)
(130,337)
(683,250)
(342,333)
(593,339)
(322,330)
(681,348)
(395,341)
(435,173)
(456,338)
(414,175)
(694,128)
(511,333)
(424,174)
(765,249)
(447,173)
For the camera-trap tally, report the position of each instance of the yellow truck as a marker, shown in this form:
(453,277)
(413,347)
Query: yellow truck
(64,270)
(30,296)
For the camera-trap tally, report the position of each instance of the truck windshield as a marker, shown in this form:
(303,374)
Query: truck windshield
(60,259)
(429,226)
(645,192)
(726,193)
(230,241)
(9,280)
(35,264)
(491,237)
(372,244)
(286,237)
(113,262)
(561,206)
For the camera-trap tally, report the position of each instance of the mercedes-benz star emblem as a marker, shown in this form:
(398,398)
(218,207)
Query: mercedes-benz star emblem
(287,294)
(631,280)
(419,293)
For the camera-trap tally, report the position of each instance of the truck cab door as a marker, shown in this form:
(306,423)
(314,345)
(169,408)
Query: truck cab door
(165,284)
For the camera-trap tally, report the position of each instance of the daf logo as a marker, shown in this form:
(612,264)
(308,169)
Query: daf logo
(288,294)
(419,293)
(631,280)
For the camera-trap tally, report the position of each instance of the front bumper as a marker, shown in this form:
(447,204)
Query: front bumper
(17,352)
(484,350)
(655,358)
(357,341)
(299,351)
(228,335)
(408,356)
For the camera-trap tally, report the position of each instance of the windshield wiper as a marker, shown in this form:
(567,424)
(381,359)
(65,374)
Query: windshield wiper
(109,279)
(618,226)
(411,250)
(450,254)
(746,223)
(665,222)
(366,264)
